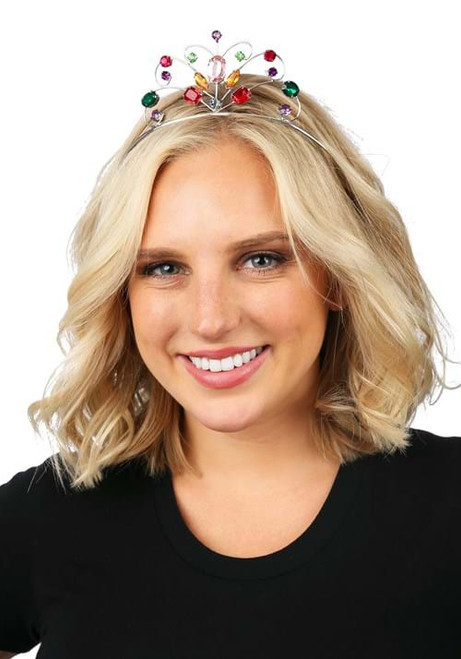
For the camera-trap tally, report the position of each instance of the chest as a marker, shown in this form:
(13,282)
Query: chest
(249,527)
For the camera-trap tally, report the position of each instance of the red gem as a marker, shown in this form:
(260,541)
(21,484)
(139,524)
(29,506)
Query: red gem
(270,55)
(165,60)
(193,95)
(241,95)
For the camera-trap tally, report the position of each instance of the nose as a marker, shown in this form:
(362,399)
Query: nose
(213,307)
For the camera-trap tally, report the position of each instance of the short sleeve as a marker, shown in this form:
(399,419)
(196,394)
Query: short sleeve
(18,611)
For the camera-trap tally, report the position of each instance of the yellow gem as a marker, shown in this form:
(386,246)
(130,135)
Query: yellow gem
(233,78)
(200,80)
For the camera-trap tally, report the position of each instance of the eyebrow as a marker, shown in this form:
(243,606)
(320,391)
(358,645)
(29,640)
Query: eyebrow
(254,241)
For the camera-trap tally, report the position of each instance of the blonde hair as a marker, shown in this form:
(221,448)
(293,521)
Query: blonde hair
(102,406)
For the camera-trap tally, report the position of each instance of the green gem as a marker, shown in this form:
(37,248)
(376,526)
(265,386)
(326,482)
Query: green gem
(240,56)
(290,88)
(150,99)
(192,57)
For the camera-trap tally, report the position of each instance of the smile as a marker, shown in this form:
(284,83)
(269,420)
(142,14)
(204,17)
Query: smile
(222,378)
(227,363)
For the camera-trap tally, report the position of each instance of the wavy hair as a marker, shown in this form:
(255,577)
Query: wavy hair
(102,406)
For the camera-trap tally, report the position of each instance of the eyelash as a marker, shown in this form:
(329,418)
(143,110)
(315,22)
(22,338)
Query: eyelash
(280,260)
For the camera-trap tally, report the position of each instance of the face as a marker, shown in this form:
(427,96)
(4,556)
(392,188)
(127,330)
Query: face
(202,291)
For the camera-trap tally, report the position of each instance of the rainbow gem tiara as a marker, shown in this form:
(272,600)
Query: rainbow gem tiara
(223,74)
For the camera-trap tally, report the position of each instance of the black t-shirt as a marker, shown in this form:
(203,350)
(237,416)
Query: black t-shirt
(115,572)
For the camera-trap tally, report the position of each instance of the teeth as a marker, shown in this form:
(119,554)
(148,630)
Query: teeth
(227,364)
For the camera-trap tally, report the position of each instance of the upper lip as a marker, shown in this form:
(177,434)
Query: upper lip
(222,353)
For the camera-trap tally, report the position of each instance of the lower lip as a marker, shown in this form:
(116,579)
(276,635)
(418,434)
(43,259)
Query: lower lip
(225,379)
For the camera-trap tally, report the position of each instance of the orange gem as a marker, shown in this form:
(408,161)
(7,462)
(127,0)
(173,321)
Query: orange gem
(200,80)
(233,78)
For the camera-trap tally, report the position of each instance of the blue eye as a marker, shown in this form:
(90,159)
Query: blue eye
(148,270)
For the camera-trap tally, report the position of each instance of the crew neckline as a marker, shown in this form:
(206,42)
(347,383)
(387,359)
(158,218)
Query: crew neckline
(339,504)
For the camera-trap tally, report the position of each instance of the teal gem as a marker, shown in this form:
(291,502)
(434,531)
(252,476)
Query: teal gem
(150,99)
(240,56)
(290,88)
(192,57)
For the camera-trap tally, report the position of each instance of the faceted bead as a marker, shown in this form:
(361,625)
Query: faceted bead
(270,55)
(150,99)
(290,88)
(216,35)
(193,95)
(156,115)
(192,57)
(216,68)
(233,78)
(165,61)
(272,71)
(241,95)
(240,56)
(284,109)
(166,75)
(200,80)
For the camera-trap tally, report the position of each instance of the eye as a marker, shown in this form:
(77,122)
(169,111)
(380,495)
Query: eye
(149,269)
(278,258)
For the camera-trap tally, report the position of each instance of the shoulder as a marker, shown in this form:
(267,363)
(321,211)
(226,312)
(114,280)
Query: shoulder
(427,443)
(429,449)
(38,492)
(40,477)
(429,468)
(23,496)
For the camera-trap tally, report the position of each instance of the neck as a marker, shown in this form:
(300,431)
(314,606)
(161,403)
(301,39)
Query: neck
(271,458)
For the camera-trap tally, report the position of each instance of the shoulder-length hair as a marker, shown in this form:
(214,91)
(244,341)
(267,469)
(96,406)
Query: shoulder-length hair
(102,405)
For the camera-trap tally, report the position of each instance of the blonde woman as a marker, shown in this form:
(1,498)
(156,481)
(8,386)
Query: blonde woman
(248,338)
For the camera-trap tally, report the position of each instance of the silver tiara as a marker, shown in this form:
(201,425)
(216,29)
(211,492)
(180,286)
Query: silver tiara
(223,73)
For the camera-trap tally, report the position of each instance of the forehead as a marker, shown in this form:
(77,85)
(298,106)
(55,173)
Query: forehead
(228,188)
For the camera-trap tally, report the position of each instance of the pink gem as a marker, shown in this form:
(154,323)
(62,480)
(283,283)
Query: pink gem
(216,68)
(193,95)
(165,60)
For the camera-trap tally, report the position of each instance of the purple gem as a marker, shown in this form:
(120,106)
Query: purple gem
(284,109)
(216,35)
(272,71)
(166,75)
(156,115)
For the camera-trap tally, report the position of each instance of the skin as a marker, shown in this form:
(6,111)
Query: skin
(262,482)
(253,438)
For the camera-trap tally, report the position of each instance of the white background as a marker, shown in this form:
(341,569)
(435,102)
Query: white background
(72,76)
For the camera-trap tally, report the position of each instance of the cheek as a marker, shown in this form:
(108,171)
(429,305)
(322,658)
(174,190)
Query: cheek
(153,320)
(297,313)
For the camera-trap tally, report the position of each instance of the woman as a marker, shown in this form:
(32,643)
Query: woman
(236,473)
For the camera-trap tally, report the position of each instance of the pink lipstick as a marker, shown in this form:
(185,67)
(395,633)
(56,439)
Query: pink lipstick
(226,379)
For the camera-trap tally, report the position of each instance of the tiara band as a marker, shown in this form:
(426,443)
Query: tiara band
(225,86)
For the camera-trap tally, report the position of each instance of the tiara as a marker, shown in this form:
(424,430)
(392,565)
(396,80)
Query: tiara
(223,76)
